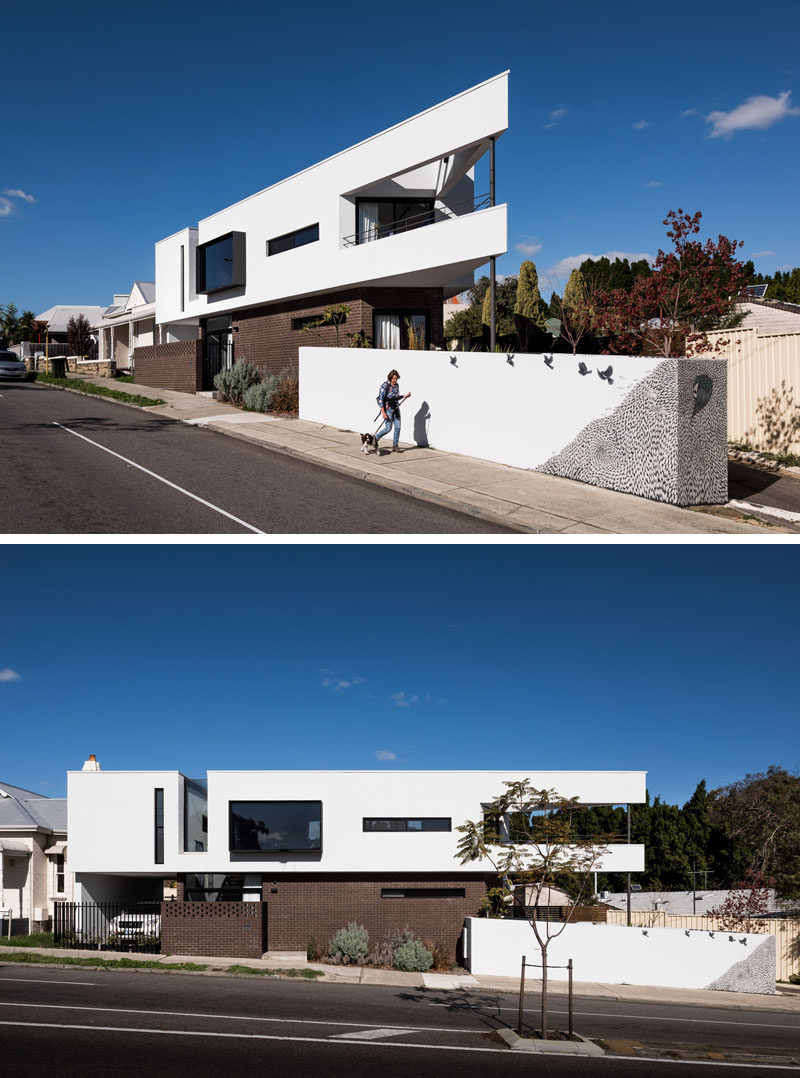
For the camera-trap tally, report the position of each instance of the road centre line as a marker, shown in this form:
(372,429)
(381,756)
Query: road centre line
(255,1036)
(654,1018)
(161,479)
(381,1044)
(238,1017)
(36,980)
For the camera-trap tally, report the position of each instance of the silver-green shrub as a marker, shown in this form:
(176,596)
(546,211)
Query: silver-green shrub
(231,384)
(349,944)
(258,398)
(384,952)
(413,956)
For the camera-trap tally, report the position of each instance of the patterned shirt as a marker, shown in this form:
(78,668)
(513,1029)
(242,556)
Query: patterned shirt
(387,398)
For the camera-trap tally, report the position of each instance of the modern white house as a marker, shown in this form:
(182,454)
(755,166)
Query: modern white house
(390,227)
(33,855)
(302,853)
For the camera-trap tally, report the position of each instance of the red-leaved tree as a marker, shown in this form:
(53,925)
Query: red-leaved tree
(693,289)
(745,905)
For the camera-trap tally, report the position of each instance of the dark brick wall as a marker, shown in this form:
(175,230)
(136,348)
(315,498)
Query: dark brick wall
(177,366)
(313,906)
(223,929)
(265,338)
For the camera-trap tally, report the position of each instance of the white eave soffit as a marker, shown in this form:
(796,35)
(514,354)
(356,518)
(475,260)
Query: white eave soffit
(446,170)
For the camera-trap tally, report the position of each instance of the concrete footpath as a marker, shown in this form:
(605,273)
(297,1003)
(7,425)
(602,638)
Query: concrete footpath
(787,1001)
(524,501)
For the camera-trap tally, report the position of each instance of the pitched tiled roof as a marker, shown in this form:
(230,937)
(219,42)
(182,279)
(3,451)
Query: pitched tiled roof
(24,809)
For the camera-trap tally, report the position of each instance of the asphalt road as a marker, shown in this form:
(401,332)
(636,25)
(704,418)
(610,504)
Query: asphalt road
(765,489)
(56,477)
(113,1022)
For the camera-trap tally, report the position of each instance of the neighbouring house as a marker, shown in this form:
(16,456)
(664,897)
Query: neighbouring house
(127,323)
(276,860)
(33,857)
(696,903)
(389,228)
(56,319)
(763,355)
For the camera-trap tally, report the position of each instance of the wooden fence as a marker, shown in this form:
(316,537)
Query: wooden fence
(785,930)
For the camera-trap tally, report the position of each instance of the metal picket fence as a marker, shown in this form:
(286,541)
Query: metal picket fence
(108,926)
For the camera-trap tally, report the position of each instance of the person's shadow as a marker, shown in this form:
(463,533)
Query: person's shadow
(421,418)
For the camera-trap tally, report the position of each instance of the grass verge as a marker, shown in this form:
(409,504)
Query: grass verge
(103,963)
(34,939)
(309,974)
(98,391)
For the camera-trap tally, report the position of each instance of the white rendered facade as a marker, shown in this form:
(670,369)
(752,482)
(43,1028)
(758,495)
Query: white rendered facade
(429,156)
(111,819)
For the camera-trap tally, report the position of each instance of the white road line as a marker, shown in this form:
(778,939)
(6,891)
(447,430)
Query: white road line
(374,1034)
(657,1018)
(235,1017)
(161,479)
(36,980)
(252,1036)
(382,1044)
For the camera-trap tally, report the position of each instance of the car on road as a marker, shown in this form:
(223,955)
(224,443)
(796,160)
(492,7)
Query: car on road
(12,367)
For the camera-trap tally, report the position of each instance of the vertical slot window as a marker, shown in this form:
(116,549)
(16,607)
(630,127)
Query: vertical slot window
(159,827)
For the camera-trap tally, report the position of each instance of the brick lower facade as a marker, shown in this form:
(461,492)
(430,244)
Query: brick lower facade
(265,338)
(217,929)
(306,907)
(177,365)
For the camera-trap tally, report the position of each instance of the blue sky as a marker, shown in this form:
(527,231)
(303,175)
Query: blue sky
(125,123)
(669,659)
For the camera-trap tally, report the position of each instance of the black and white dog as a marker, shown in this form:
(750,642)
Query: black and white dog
(368,442)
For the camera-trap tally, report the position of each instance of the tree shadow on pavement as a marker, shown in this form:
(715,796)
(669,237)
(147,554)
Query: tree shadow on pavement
(486,1009)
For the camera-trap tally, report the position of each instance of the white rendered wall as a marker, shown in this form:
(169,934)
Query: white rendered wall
(517,413)
(611,954)
(316,195)
(111,817)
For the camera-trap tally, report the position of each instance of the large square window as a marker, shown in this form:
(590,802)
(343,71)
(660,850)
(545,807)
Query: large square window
(275,826)
(221,263)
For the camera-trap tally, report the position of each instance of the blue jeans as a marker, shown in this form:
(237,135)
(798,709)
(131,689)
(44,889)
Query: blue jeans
(387,426)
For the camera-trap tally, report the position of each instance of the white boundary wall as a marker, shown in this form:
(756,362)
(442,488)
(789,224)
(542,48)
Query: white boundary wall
(519,413)
(669,957)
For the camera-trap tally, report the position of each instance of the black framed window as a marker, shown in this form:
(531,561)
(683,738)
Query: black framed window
(159,826)
(423,892)
(275,826)
(290,240)
(407,823)
(401,329)
(221,263)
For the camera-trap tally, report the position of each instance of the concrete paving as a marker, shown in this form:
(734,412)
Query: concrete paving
(525,501)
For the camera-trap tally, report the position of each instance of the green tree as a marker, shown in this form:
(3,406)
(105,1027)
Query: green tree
(530,310)
(27,326)
(575,311)
(529,836)
(9,323)
(79,335)
(505,300)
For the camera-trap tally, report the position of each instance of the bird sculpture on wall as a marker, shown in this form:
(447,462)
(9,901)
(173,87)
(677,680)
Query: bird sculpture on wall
(510,359)
(583,369)
(548,362)
(606,375)
(454,360)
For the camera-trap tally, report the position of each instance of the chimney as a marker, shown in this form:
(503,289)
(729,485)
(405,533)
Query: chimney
(91,764)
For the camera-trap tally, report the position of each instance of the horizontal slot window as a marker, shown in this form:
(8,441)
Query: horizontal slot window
(408,823)
(423,892)
(293,239)
(315,321)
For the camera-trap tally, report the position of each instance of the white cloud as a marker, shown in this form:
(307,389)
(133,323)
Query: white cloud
(9,675)
(556,275)
(756,112)
(14,192)
(528,246)
(384,754)
(784,267)
(337,683)
(640,125)
(689,112)
(556,116)
(403,699)
(6,207)
(652,183)
(761,254)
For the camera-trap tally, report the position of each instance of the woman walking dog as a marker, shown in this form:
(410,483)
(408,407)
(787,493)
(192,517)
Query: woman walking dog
(390,400)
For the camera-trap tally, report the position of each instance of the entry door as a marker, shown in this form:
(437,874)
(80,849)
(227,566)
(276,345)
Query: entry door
(217,349)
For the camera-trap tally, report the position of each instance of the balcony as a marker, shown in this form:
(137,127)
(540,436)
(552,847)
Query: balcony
(374,226)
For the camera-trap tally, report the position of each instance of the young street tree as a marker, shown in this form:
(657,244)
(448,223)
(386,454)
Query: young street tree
(745,905)
(575,311)
(693,289)
(529,838)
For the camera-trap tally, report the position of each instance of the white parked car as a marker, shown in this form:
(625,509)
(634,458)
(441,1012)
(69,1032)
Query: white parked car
(135,931)
(12,367)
